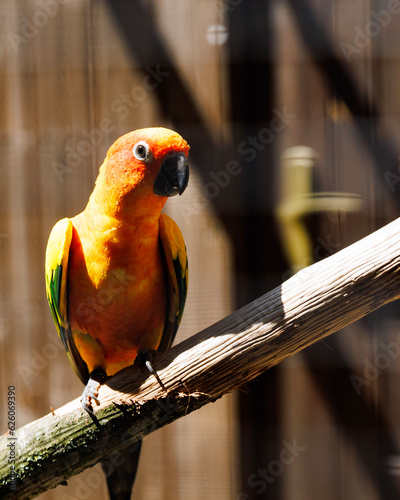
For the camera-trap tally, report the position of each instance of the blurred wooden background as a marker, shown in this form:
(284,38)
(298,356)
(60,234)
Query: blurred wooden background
(241,81)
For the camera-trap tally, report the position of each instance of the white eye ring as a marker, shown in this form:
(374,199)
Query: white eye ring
(141,150)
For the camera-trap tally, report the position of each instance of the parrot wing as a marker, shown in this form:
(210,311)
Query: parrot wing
(57,254)
(177,277)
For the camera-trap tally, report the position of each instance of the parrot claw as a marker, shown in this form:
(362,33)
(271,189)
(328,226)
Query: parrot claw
(144,359)
(91,390)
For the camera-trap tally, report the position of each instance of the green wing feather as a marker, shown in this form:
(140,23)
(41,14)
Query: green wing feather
(177,273)
(57,254)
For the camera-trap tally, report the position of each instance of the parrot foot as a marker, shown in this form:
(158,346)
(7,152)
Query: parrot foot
(144,360)
(91,391)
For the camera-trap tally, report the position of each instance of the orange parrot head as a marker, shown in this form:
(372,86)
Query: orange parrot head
(147,165)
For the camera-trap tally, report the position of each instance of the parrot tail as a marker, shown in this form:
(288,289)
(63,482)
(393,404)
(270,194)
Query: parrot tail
(120,477)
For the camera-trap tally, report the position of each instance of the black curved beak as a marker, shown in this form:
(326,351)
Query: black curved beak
(173,176)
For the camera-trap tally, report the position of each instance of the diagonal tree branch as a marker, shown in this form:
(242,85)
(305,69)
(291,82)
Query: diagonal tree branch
(314,303)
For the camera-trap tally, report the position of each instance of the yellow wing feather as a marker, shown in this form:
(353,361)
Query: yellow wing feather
(57,254)
(176,263)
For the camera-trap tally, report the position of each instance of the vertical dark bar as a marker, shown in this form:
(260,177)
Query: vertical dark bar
(251,226)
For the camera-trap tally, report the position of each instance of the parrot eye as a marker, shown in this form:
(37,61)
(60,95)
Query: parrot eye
(141,150)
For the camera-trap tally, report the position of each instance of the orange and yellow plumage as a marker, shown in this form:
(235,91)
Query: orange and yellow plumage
(116,274)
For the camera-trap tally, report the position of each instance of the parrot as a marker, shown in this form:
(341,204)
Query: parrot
(117,273)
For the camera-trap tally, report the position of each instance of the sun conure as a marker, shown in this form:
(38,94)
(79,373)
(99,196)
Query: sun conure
(116,274)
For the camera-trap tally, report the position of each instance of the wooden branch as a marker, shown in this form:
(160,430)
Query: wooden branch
(314,303)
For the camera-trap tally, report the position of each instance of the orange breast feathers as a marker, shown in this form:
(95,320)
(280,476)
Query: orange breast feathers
(117,290)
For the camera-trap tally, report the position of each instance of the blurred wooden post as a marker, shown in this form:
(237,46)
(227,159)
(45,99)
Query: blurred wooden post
(298,199)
